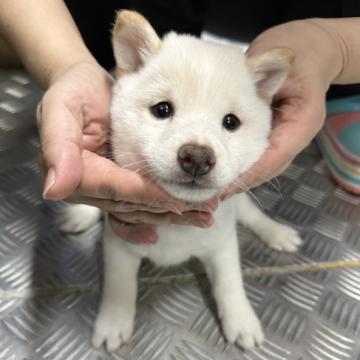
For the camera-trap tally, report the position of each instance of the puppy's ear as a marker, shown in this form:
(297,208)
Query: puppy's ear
(134,41)
(270,70)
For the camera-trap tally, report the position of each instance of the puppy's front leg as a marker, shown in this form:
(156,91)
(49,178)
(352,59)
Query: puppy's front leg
(115,321)
(278,236)
(239,321)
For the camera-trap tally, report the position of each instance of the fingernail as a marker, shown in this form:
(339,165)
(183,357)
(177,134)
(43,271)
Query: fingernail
(49,182)
(209,221)
(213,204)
(205,221)
(152,239)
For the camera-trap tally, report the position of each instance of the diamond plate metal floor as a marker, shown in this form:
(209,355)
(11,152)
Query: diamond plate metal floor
(305,315)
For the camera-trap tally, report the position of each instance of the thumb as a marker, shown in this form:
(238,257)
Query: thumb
(61,139)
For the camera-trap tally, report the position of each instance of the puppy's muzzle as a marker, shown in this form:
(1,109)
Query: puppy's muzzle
(196,160)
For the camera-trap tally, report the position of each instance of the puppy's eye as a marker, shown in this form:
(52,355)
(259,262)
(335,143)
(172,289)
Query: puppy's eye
(162,110)
(231,122)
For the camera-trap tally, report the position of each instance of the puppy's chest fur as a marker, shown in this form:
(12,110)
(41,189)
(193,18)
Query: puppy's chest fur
(178,243)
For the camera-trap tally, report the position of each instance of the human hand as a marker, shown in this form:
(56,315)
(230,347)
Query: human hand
(298,115)
(73,121)
(299,106)
(133,202)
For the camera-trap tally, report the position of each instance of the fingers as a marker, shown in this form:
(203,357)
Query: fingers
(119,206)
(131,226)
(124,206)
(103,179)
(61,142)
(286,141)
(136,234)
(195,218)
(209,206)
(74,114)
(272,163)
(114,206)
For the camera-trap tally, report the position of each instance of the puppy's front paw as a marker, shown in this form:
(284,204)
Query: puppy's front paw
(77,218)
(283,238)
(243,328)
(112,329)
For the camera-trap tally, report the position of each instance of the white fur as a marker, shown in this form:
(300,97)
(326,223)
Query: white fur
(203,92)
(204,82)
(78,218)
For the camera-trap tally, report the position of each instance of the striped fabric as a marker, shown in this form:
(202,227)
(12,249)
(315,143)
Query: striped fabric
(339,142)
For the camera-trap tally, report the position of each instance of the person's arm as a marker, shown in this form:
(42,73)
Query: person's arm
(73,122)
(329,46)
(44,36)
(327,51)
(345,34)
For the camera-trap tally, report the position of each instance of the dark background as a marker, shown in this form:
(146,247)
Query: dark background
(240,20)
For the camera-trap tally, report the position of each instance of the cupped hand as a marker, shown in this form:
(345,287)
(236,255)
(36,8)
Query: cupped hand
(73,120)
(73,115)
(298,107)
(298,115)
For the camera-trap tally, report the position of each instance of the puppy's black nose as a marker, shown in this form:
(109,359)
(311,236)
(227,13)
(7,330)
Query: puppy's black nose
(196,160)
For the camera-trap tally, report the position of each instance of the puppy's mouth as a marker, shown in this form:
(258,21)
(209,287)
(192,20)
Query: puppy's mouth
(191,190)
(179,180)
(190,184)
(182,186)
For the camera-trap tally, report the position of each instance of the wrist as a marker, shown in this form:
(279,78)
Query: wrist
(316,50)
(329,49)
(60,66)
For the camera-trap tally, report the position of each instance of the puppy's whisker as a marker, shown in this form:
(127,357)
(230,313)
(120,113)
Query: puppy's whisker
(267,180)
(143,167)
(145,170)
(132,164)
(259,175)
(248,191)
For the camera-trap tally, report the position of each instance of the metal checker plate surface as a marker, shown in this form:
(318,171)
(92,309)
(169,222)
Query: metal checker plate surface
(305,316)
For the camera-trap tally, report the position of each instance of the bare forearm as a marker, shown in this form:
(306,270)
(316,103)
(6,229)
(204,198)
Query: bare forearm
(346,35)
(44,35)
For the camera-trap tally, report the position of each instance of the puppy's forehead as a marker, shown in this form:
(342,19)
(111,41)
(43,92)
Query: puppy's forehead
(196,68)
(181,53)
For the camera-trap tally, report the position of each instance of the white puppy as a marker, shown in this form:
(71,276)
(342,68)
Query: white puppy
(197,114)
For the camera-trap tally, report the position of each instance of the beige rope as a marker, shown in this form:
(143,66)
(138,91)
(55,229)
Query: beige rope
(184,278)
(298,268)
